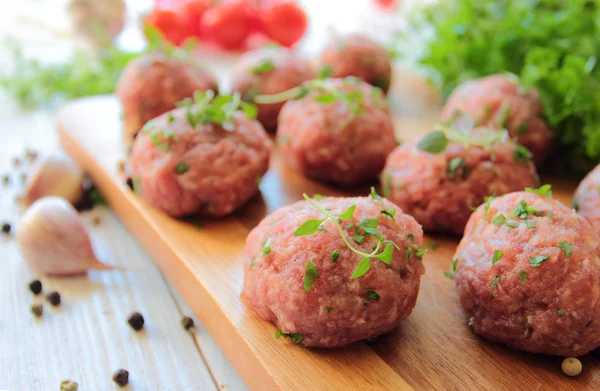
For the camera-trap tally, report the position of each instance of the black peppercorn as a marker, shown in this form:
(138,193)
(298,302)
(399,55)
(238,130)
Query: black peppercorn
(37,309)
(129,183)
(35,287)
(136,321)
(187,322)
(121,377)
(54,298)
(6,228)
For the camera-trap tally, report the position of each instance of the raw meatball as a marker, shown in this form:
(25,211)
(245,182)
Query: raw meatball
(269,71)
(205,170)
(587,198)
(440,190)
(360,56)
(341,133)
(542,294)
(499,101)
(152,84)
(336,310)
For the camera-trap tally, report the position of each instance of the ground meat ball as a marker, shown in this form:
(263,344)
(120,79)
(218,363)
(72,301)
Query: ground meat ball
(587,198)
(552,308)
(152,84)
(328,141)
(269,71)
(499,101)
(360,56)
(205,170)
(440,190)
(337,310)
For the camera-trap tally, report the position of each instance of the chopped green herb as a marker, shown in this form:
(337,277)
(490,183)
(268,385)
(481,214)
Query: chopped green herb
(374,194)
(266,250)
(181,167)
(538,260)
(409,252)
(220,110)
(529,224)
(311,274)
(434,142)
(545,190)
(453,267)
(335,254)
(522,129)
(504,115)
(566,247)
(309,227)
(365,304)
(347,215)
(511,224)
(497,256)
(499,220)
(295,337)
(325,72)
(328,309)
(495,281)
(363,267)
(170,118)
(420,252)
(410,236)
(522,154)
(390,213)
(523,275)
(523,211)
(453,165)
(318,197)
(560,312)
(488,203)
(371,294)
(433,245)
(264,66)
(155,139)
(359,238)
(386,255)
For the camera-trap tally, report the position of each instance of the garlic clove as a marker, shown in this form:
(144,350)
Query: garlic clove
(54,176)
(54,241)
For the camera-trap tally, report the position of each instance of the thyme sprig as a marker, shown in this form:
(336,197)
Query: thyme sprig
(436,142)
(205,107)
(369,227)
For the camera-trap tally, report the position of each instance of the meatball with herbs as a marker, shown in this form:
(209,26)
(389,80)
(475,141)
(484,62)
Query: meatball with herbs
(439,180)
(527,272)
(269,71)
(153,83)
(206,158)
(338,131)
(322,292)
(360,56)
(587,198)
(500,101)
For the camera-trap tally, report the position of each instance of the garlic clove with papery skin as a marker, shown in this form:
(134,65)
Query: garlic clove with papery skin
(54,241)
(54,176)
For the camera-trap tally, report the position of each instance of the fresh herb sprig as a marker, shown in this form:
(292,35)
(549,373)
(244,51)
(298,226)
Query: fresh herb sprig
(369,226)
(205,107)
(436,142)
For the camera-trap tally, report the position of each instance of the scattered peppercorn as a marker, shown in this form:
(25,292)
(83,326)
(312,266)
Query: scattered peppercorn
(121,377)
(136,321)
(96,220)
(121,167)
(23,178)
(6,180)
(16,162)
(6,228)
(53,298)
(571,366)
(187,322)
(37,309)
(30,155)
(35,287)
(68,385)
(129,183)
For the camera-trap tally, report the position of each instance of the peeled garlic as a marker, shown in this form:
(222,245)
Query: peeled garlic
(97,21)
(54,241)
(54,176)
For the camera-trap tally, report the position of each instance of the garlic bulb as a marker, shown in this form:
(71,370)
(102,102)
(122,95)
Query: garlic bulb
(97,21)
(54,176)
(54,241)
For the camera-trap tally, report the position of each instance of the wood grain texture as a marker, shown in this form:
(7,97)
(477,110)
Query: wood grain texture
(88,338)
(432,349)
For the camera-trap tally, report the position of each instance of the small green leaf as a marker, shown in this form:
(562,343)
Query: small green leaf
(266,250)
(522,129)
(359,238)
(495,281)
(374,194)
(328,309)
(347,215)
(453,165)
(497,256)
(454,265)
(369,223)
(386,255)
(170,118)
(181,167)
(278,334)
(390,213)
(523,275)
(363,267)
(499,220)
(522,154)
(566,247)
(310,275)
(326,98)
(529,224)
(373,295)
(309,227)
(318,197)
(335,254)
(264,66)
(325,72)
(433,245)
(420,253)
(249,109)
(409,252)
(538,260)
(511,224)
(545,190)
(434,142)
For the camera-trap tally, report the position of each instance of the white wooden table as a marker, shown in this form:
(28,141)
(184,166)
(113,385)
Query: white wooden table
(87,338)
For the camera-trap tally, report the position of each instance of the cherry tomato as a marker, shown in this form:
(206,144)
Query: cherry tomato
(387,4)
(169,24)
(228,24)
(284,22)
(191,12)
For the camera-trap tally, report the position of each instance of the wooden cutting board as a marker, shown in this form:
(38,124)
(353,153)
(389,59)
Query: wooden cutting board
(432,349)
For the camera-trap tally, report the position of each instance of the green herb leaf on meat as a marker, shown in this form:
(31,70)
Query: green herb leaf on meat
(311,273)
(295,337)
(434,142)
(453,165)
(386,255)
(390,213)
(499,220)
(325,72)
(335,254)
(181,168)
(347,215)
(495,281)
(523,275)
(529,224)
(522,154)
(374,194)
(566,247)
(497,256)
(453,267)
(373,295)
(266,250)
(545,190)
(309,227)
(538,260)
(264,66)
(363,267)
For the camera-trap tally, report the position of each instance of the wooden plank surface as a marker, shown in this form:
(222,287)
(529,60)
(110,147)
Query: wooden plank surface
(88,338)
(432,349)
